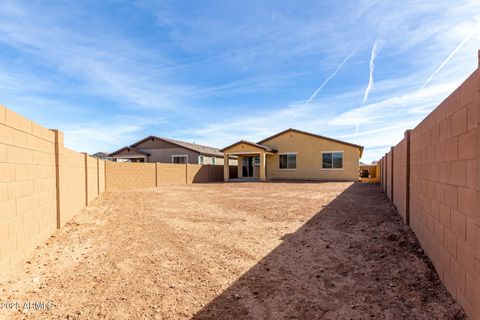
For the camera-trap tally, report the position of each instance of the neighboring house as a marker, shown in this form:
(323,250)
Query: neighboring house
(368,170)
(296,155)
(102,156)
(156,149)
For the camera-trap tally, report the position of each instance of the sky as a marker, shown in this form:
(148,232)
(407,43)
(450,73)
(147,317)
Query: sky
(109,73)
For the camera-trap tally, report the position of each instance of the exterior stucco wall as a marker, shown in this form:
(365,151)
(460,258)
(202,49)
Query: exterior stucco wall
(165,155)
(162,151)
(309,158)
(218,161)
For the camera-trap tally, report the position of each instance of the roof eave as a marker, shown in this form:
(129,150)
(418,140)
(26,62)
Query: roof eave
(256,145)
(127,147)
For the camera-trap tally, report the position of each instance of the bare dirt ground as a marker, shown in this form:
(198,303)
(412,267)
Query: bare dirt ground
(233,251)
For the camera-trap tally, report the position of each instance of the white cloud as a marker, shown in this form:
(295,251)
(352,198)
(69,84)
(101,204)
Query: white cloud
(95,136)
(107,64)
(258,49)
(472,32)
(385,109)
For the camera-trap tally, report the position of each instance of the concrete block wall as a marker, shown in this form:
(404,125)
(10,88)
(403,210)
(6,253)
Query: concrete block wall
(72,184)
(42,184)
(440,199)
(380,162)
(385,176)
(169,173)
(197,173)
(129,176)
(101,176)
(91,166)
(27,187)
(400,178)
(216,173)
(388,185)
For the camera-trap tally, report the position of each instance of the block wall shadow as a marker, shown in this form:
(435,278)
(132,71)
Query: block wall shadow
(353,259)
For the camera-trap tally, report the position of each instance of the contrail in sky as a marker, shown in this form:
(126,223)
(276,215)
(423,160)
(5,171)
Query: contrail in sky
(324,83)
(453,53)
(370,79)
(372,69)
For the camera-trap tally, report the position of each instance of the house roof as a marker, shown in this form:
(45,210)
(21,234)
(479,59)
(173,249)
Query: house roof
(253,144)
(313,135)
(128,149)
(100,155)
(201,149)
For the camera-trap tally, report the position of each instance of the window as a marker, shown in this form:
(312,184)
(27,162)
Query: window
(256,160)
(288,161)
(214,160)
(179,159)
(200,159)
(332,160)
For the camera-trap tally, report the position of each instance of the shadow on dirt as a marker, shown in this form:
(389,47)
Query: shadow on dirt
(353,260)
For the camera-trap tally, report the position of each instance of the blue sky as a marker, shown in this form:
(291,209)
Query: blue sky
(109,73)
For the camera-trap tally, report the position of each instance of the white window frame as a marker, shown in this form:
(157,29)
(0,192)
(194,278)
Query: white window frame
(333,169)
(180,155)
(287,169)
(201,159)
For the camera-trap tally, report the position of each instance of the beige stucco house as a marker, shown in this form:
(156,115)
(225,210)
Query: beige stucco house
(165,150)
(295,155)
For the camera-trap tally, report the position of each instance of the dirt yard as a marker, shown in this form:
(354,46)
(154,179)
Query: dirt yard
(233,251)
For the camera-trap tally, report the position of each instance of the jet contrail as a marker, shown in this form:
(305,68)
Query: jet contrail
(469,35)
(372,69)
(370,81)
(328,78)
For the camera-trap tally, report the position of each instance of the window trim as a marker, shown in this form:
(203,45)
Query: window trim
(201,159)
(333,169)
(179,155)
(287,153)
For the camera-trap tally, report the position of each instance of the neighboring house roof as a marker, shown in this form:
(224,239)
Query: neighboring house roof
(313,135)
(201,149)
(129,150)
(266,148)
(100,155)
